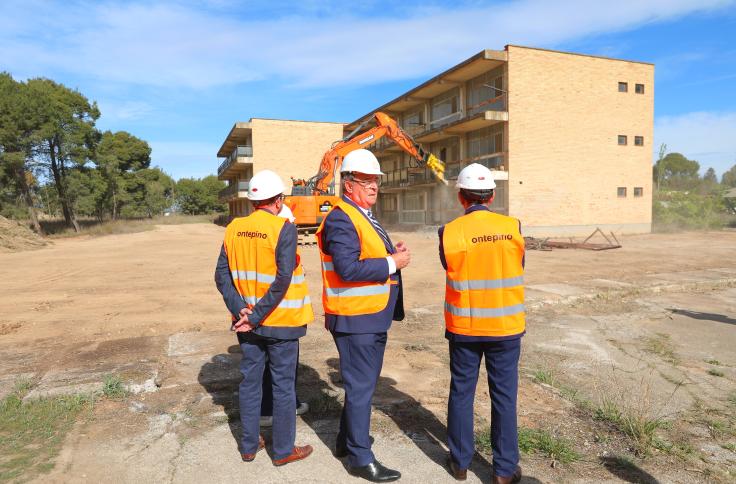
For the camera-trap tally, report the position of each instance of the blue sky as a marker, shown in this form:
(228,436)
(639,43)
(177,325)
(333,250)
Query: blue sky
(180,73)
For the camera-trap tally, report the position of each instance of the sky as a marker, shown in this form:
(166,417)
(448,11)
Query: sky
(180,73)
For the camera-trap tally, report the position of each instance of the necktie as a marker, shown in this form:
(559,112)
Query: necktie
(379,229)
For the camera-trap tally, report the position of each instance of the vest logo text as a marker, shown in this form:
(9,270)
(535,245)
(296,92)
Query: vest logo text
(252,235)
(492,238)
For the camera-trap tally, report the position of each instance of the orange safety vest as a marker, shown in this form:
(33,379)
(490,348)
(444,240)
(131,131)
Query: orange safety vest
(484,291)
(353,298)
(250,244)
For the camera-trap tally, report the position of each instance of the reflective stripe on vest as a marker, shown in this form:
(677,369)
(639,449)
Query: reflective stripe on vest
(485,283)
(264,278)
(285,303)
(250,242)
(484,292)
(353,298)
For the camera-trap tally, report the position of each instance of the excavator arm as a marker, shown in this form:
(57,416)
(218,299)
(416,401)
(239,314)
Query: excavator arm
(385,126)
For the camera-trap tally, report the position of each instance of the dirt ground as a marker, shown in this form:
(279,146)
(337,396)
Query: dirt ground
(648,330)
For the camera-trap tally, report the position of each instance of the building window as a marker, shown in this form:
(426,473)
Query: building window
(445,108)
(639,140)
(623,87)
(639,88)
(388,203)
(638,191)
(622,140)
(413,122)
(485,92)
(485,146)
(621,192)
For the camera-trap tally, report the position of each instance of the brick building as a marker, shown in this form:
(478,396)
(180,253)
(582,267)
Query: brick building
(290,148)
(568,136)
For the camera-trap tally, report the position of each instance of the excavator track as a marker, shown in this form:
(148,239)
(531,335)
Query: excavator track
(307,236)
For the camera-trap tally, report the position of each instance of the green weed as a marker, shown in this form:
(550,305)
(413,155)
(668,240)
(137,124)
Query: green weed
(543,442)
(31,433)
(113,387)
(541,375)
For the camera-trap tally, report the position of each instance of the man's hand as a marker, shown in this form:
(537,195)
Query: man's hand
(242,325)
(402,257)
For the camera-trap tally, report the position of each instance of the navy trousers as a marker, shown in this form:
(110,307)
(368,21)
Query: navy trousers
(361,359)
(282,357)
(502,365)
(267,399)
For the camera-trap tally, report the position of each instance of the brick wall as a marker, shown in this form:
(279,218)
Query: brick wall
(291,148)
(565,115)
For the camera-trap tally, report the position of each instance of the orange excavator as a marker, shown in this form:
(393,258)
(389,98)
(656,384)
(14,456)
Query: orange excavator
(312,199)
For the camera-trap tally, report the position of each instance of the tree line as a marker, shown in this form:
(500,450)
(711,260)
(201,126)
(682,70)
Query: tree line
(55,162)
(684,199)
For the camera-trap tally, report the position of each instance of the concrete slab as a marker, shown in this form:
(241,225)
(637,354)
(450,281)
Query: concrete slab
(607,283)
(212,372)
(559,289)
(137,377)
(181,344)
(535,296)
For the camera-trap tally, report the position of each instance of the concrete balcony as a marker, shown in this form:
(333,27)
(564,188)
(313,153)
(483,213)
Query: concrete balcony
(462,125)
(237,162)
(236,190)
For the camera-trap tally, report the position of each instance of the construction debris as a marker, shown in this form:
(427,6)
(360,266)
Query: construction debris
(533,243)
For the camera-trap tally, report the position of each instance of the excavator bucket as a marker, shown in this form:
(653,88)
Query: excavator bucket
(437,166)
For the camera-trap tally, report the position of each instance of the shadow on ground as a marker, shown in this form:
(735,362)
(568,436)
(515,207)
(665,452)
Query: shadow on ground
(718,318)
(627,471)
(416,422)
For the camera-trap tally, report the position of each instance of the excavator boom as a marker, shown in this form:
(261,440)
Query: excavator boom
(385,126)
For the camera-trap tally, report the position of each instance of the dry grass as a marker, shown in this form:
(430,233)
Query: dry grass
(661,345)
(93,227)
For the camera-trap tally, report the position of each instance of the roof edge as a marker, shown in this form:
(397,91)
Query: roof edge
(577,53)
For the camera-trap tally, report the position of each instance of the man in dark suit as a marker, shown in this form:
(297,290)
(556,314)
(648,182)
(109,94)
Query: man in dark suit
(361,296)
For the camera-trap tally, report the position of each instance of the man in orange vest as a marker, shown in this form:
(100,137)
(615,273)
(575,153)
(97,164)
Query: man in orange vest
(483,254)
(361,296)
(261,279)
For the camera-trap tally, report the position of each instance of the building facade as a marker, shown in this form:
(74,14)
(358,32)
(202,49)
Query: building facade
(290,148)
(568,136)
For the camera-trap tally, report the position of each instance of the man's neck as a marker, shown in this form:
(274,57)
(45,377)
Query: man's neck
(364,207)
(269,208)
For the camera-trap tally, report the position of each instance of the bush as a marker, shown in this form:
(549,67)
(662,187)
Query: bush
(674,210)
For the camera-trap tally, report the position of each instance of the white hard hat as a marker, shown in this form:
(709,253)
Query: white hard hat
(475,177)
(264,185)
(361,161)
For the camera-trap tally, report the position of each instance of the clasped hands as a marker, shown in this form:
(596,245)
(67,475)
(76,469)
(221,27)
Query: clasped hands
(242,325)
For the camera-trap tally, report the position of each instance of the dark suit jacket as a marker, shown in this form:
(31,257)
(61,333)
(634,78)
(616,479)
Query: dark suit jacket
(340,240)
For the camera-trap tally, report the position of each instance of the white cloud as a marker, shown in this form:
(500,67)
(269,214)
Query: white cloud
(708,137)
(113,111)
(180,45)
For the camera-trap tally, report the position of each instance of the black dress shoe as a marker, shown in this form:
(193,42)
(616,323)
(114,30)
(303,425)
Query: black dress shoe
(455,470)
(375,472)
(341,448)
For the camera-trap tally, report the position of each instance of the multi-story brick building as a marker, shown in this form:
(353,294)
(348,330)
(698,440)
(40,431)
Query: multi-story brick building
(569,137)
(290,148)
